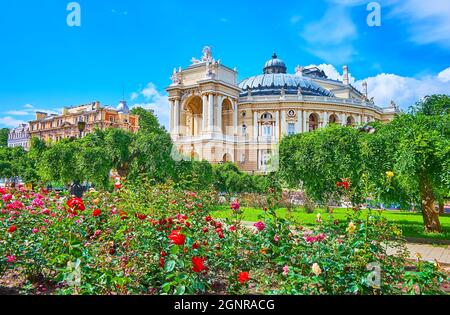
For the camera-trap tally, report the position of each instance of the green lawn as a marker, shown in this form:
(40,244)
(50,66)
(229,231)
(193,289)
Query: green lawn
(411,223)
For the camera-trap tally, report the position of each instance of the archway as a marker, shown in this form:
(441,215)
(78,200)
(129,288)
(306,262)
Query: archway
(192,116)
(313,122)
(227,117)
(227,158)
(350,121)
(333,119)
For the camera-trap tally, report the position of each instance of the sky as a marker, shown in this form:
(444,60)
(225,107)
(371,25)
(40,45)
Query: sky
(134,46)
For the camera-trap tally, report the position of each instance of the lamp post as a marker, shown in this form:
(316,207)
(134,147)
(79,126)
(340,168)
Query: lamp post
(81,127)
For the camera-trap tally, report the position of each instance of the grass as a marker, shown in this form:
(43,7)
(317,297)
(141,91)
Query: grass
(410,222)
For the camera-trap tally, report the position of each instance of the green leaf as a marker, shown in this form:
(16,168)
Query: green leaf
(170,265)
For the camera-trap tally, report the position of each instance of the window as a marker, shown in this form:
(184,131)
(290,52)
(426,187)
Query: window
(266,116)
(243,158)
(244,130)
(291,129)
(267,131)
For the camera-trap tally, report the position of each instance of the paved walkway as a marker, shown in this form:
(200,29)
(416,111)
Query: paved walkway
(428,252)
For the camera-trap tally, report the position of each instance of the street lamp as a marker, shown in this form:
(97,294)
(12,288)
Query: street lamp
(81,127)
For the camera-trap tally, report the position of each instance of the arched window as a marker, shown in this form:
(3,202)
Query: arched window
(266,116)
(350,121)
(313,122)
(333,119)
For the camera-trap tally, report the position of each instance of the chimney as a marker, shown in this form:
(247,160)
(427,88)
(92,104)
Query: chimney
(41,115)
(345,76)
(364,85)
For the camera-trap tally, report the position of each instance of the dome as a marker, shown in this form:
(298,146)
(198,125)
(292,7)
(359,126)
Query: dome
(275,80)
(122,108)
(275,65)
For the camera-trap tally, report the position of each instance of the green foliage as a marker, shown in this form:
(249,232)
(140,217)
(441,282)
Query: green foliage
(148,122)
(4,132)
(434,105)
(317,161)
(228,178)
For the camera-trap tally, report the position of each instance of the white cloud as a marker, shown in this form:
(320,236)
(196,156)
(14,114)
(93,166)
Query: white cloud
(428,21)
(17,112)
(10,122)
(28,106)
(405,91)
(155,100)
(444,76)
(331,37)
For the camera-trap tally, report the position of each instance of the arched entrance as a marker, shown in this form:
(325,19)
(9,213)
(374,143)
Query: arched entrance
(313,122)
(227,117)
(350,121)
(227,158)
(333,119)
(192,116)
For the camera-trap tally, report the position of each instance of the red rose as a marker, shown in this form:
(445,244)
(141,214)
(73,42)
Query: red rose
(196,245)
(205,230)
(199,265)
(162,262)
(96,212)
(76,204)
(141,216)
(123,215)
(208,218)
(117,185)
(12,229)
(177,238)
(232,228)
(243,277)
(235,206)
(163,254)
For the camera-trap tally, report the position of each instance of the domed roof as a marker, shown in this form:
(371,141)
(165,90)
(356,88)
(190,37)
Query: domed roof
(275,79)
(122,108)
(275,65)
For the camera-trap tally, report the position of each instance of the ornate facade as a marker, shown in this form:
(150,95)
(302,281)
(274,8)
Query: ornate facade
(215,118)
(56,127)
(19,137)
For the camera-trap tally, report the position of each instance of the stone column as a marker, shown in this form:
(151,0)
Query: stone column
(325,119)
(277,126)
(177,117)
(359,120)
(305,121)
(210,112)
(204,111)
(235,117)
(171,116)
(343,119)
(298,126)
(283,123)
(255,126)
(219,113)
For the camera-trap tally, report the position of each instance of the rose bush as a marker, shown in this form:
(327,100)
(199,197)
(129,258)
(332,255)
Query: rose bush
(161,240)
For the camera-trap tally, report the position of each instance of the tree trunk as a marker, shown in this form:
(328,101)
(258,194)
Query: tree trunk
(430,215)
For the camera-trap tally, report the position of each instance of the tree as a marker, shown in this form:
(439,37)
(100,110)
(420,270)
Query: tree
(416,148)
(151,152)
(118,149)
(4,133)
(58,163)
(148,122)
(317,161)
(432,105)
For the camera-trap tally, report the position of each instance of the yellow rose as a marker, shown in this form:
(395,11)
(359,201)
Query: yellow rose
(351,228)
(316,269)
(390,174)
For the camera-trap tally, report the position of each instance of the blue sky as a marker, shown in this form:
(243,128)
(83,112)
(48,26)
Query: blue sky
(46,65)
